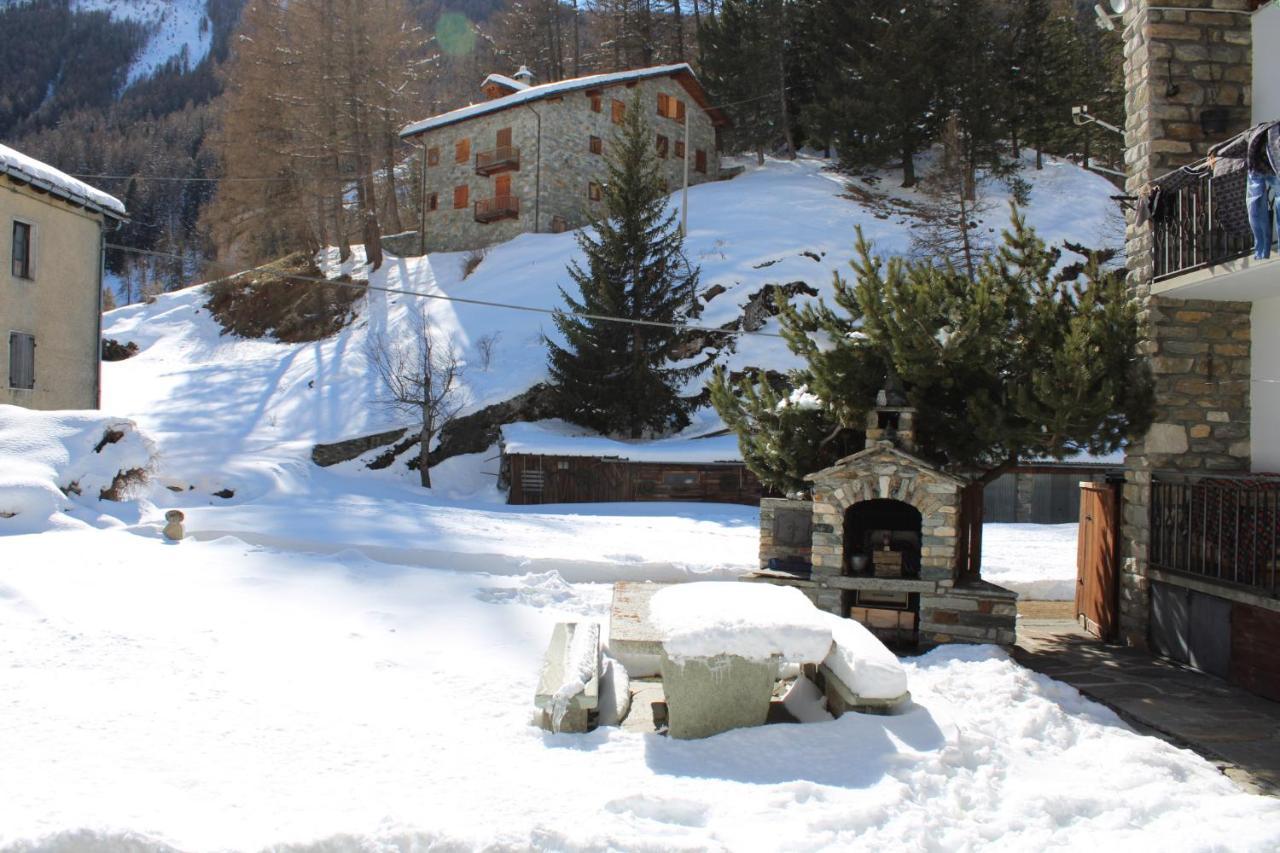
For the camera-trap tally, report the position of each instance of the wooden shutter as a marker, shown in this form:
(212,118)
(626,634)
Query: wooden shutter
(22,360)
(700,160)
(596,145)
(593,191)
(504,137)
(502,186)
(679,110)
(679,150)
(664,104)
(596,101)
(462,151)
(460,197)
(663,146)
(619,111)
(433,155)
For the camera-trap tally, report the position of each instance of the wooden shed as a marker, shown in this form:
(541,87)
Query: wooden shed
(554,462)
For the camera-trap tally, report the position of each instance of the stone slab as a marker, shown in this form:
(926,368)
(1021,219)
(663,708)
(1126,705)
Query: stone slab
(707,696)
(632,638)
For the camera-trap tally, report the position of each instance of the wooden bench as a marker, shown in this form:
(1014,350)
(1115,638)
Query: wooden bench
(569,685)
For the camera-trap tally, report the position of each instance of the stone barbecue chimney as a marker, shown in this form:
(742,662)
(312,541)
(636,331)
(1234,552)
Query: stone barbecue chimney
(892,420)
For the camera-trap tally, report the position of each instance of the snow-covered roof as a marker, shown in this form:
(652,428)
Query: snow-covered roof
(547,90)
(43,176)
(558,438)
(503,80)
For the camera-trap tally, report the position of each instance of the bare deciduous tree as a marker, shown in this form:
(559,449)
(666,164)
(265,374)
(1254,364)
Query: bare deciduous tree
(420,375)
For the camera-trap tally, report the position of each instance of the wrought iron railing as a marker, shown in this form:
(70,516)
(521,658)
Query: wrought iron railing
(498,207)
(1200,220)
(498,159)
(1224,528)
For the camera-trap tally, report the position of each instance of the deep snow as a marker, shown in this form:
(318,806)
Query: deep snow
(215,695)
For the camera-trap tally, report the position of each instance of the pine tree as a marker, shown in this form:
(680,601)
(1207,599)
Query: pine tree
(615,377)
(1018,363)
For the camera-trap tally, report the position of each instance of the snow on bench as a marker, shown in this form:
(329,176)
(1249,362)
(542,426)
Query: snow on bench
(569,686)
(860,673)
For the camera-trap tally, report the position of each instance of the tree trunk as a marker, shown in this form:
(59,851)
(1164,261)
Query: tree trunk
(908,165)
(679,24)
(577,41)
(424,450)
(782,99)
(393,203)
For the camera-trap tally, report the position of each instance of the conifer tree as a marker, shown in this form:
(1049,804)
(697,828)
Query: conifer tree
(1017,363)
(615,377)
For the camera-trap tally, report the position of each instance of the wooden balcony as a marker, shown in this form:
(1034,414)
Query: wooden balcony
(498,207)
(504,158)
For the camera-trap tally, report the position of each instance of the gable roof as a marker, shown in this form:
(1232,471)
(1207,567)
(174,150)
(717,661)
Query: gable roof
(42,176)
(682,72)
(505,81)
(855,459)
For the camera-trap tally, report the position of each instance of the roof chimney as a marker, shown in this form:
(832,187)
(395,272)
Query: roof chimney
(524,75)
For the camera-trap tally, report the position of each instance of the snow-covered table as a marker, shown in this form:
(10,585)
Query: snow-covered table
(721,646)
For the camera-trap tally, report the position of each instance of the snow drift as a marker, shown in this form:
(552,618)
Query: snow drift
(47,459)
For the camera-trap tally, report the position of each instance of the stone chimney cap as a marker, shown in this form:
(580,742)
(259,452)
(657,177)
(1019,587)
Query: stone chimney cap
(524,75)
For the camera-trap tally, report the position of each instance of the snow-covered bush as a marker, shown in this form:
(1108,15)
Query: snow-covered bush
(47,458)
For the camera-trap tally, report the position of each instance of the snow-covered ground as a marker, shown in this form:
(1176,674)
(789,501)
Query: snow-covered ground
(1038,561)
(217,695)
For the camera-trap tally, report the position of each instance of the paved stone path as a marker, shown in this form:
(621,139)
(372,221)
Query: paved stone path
(1235,729)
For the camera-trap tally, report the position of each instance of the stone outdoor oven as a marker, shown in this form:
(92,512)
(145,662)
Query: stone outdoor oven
(890,541)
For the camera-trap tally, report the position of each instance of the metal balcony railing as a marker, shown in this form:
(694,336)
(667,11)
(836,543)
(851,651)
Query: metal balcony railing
(1200,221)
(498,207)
(1223,528)
(501,159)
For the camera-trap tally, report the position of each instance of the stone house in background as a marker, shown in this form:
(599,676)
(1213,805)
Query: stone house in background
(531,158)
(1200,525)
(52,231)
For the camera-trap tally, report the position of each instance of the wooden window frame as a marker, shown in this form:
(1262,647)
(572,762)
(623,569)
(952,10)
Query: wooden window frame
(594,191)
(617,111)
(597,102)
(14,337)
(461,197)
(664,105)
(22,266)
(700,161)
(433,201)
(679,116)
(679,149)
(498,137)
(462,151)
(433,155)
(663,146)
(595,145)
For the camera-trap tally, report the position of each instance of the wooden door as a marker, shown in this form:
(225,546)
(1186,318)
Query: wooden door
(504,138)
(502,186)
(1097,560)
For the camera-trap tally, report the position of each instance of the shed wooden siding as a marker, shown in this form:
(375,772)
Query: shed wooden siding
(536,479)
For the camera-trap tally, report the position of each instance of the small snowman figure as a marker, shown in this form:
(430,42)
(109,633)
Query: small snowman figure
(173,530)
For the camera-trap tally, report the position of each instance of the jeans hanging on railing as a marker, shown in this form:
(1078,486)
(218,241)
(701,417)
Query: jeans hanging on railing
(1262,199)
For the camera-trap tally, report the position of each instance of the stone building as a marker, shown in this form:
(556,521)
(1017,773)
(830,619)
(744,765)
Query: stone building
(1199,578)
(51,284)
(531,158)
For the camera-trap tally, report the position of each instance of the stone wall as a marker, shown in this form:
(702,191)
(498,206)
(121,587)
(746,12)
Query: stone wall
(560,194)
(1177,63)
(786,528)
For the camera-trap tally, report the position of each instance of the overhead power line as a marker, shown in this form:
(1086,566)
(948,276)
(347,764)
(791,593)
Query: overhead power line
(484,303)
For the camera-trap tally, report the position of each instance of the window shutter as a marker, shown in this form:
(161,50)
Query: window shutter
(460,196)
(22,360)
(462,151)
(504,137)
(664,108)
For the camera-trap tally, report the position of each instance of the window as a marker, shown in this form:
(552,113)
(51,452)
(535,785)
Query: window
(502,186)
(619,111)
(22,360)
(22,249)
(664,146)
(559,225)
(596,144)
(679,150)
(433,201)
(594,191)
(669,107)
(597,102)
(461,195)
(700,161)
(433,156)
(462,151)
(504,138)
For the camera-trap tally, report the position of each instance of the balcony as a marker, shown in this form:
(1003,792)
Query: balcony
(1223,529)
(498,207)
(1203,248)
(504,158)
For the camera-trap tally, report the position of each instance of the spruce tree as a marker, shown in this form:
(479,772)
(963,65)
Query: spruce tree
(611,376)
(1020,362)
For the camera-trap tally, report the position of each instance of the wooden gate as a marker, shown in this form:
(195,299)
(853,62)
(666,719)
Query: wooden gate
(1097,560)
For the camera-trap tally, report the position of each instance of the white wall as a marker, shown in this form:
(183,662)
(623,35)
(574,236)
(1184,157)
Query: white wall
(1266,63)
(1265,388)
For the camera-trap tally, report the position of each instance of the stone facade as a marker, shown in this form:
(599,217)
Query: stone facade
(786,528)
(1178,63)
(556,162)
